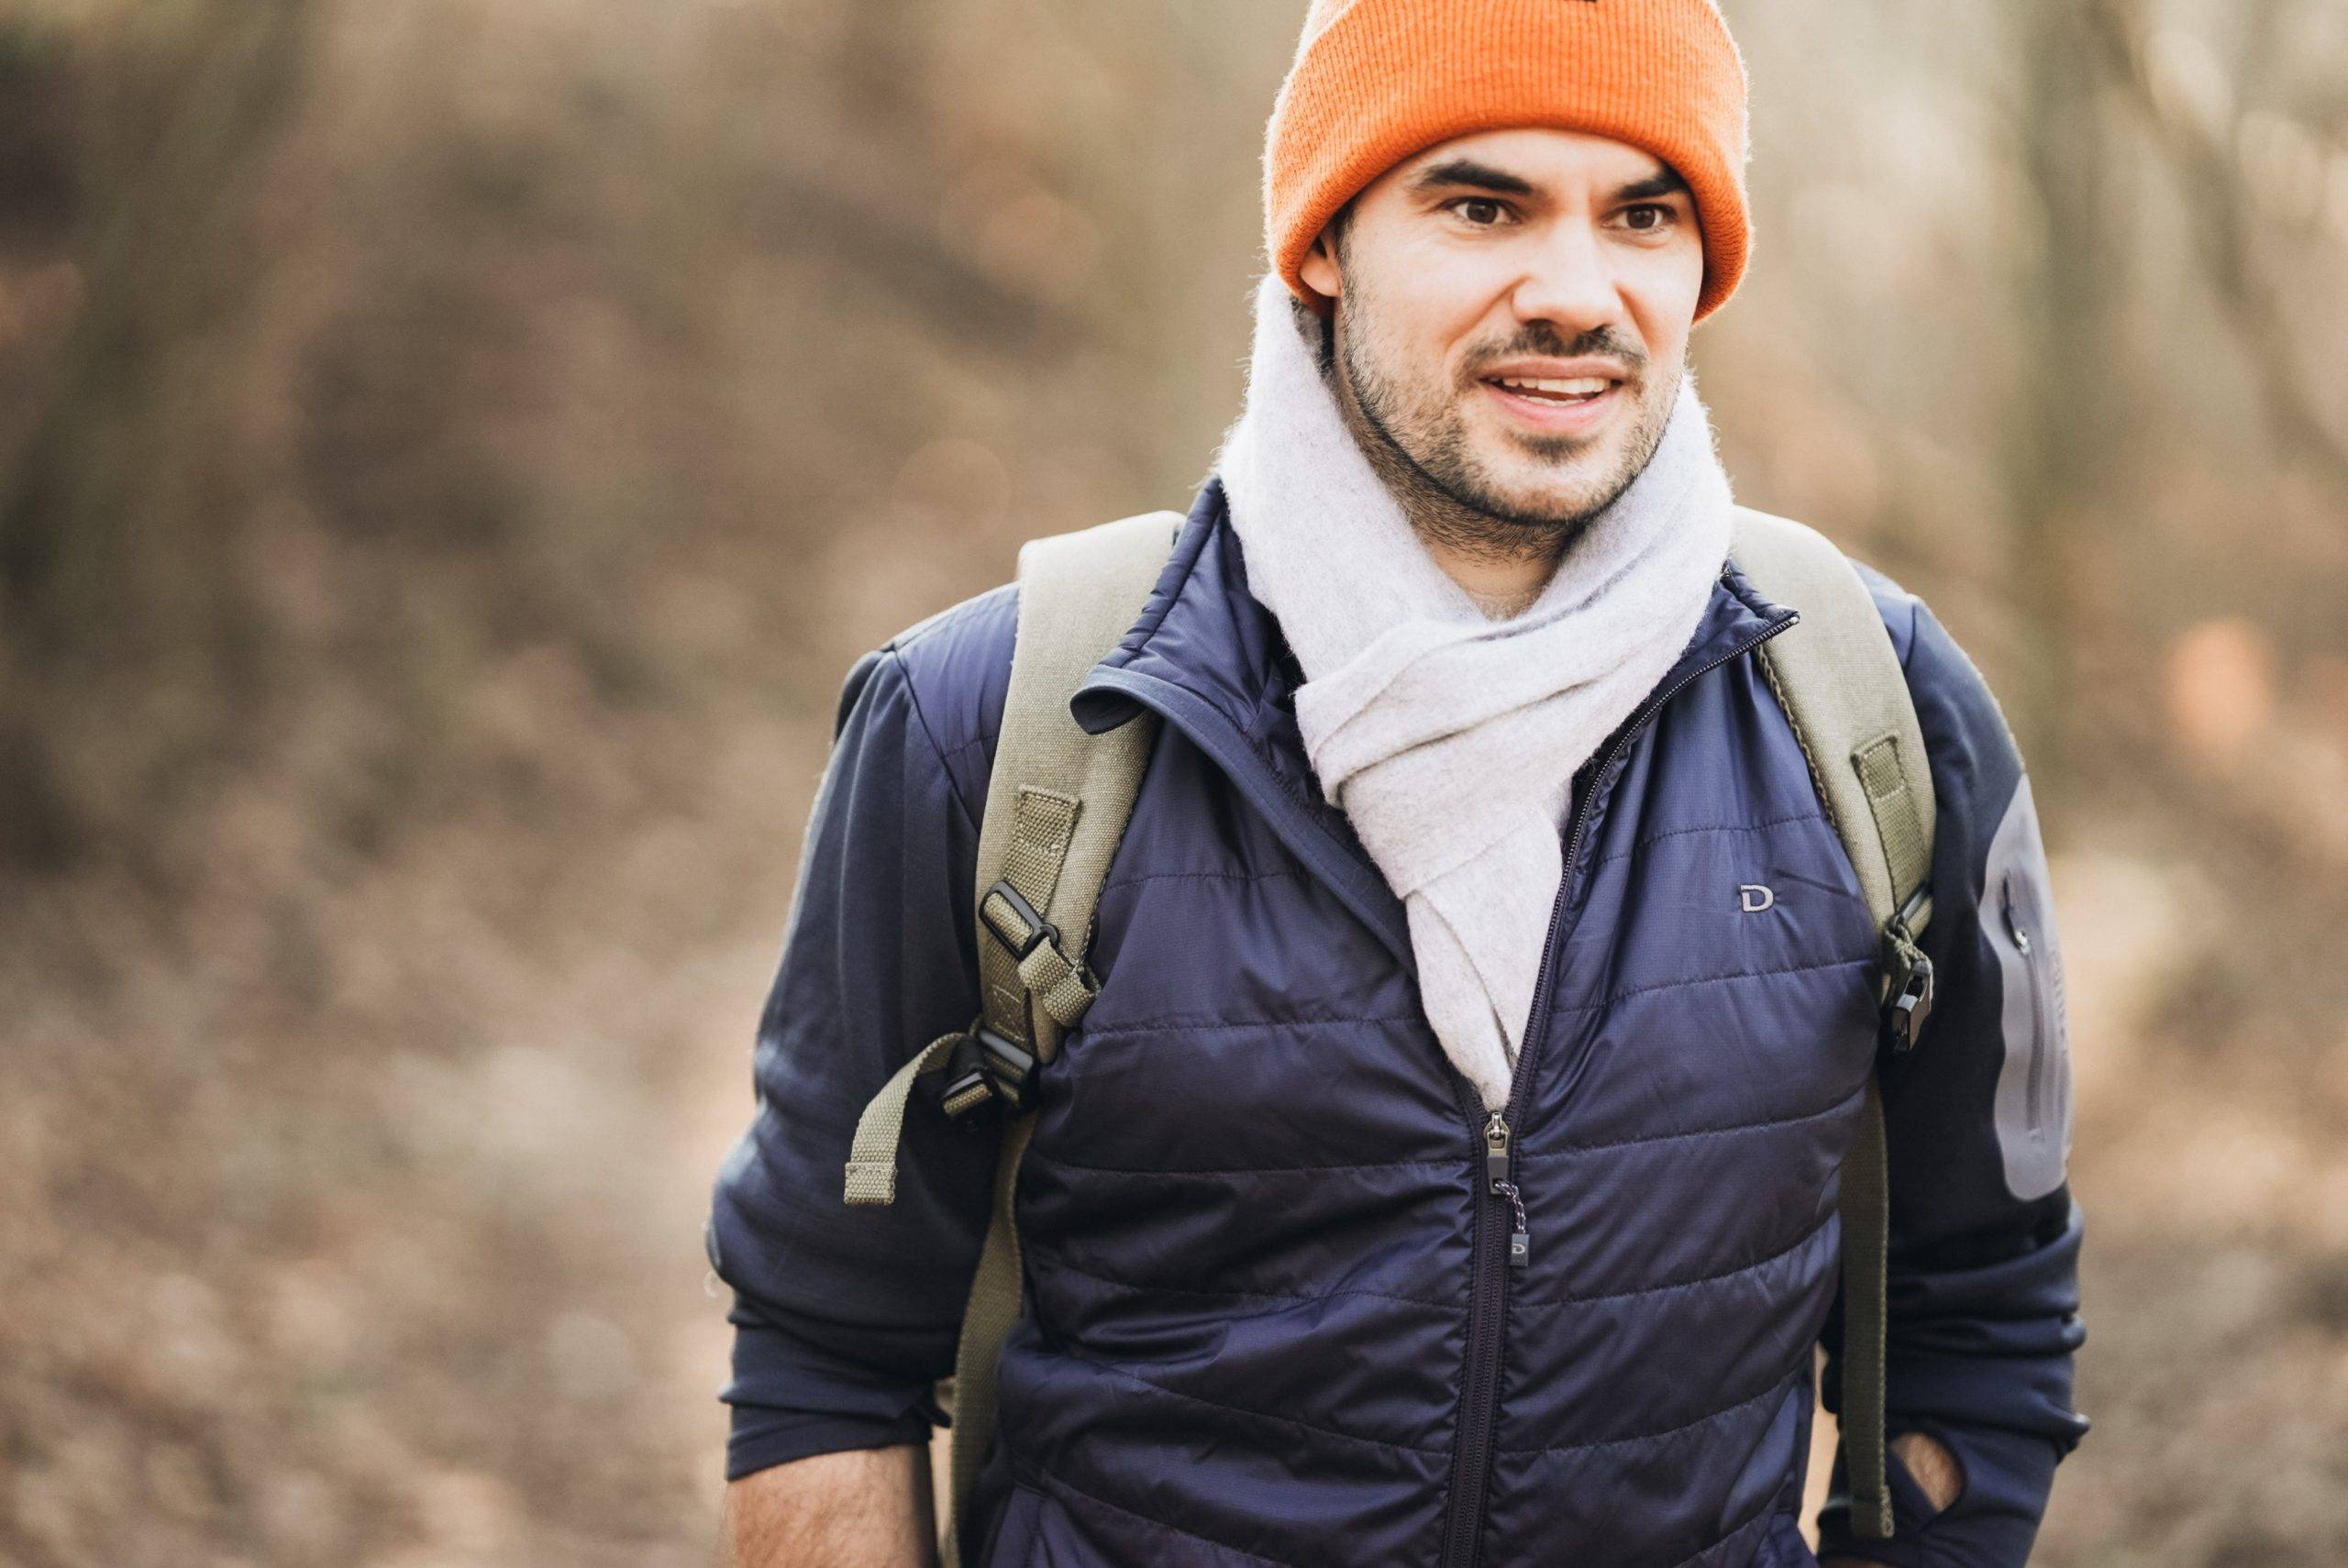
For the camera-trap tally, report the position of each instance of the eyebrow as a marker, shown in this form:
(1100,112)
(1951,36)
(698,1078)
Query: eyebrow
(1662,183)
(1456,172)
(1467,172)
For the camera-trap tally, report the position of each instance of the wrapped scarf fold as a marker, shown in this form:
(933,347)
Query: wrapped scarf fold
(1450,740)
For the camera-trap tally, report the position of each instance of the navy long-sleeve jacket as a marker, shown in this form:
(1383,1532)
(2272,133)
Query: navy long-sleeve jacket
(1272,1315)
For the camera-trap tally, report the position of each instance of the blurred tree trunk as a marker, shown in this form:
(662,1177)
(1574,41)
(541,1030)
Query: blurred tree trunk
(113,513)
(2057,437)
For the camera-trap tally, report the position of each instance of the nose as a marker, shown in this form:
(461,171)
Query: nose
(1569,280)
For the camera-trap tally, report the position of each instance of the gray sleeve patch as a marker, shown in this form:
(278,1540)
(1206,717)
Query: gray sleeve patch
(2034,1097)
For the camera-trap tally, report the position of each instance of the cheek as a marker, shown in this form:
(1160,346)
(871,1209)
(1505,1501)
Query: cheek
(1427,310)
(1661,293)
(1663,321)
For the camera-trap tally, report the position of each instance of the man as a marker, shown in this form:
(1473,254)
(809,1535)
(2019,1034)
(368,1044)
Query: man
(1473,829)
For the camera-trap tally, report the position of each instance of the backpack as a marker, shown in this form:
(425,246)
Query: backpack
(1057,803)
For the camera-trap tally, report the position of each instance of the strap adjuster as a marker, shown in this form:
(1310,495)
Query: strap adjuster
(986,1066)
(1039,930)
(1908,999)
(1909,1005)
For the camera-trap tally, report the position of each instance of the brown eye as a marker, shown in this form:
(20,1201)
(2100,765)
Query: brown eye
(1662,215)
(1480,211)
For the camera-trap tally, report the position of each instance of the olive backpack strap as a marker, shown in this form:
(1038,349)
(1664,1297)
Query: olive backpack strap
(1837,677)
(1057,802)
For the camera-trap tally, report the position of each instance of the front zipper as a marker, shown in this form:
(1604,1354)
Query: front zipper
(2035,1095)
(1505,1244)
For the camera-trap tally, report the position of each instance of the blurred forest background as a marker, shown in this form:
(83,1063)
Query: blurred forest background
(451,452)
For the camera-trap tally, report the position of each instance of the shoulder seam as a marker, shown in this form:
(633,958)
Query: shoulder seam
(937,752)
(932,622)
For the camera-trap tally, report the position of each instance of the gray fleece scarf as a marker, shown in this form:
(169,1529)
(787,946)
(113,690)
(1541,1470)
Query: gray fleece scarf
(1448,739)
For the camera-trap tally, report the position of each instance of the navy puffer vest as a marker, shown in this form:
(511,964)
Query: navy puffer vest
(1272,1301)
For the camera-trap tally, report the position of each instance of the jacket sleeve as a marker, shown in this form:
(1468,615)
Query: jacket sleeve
(1983,1298)
(845,1317)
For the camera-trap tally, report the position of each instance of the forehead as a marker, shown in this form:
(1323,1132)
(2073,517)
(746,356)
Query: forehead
(1545,157)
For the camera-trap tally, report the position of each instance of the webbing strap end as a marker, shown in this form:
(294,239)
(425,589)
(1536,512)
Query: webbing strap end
(872,1182)
(871,1176)
(1871,1517)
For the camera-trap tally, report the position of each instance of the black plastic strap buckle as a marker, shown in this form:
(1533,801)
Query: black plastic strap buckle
(1910,998)
(986,1066)
(1039,931)
(1909,1005)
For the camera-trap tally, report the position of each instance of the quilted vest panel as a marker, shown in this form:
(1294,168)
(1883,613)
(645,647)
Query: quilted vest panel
(1250,1208)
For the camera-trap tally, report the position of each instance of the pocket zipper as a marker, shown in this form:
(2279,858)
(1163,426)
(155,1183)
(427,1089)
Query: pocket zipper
(2034,1100)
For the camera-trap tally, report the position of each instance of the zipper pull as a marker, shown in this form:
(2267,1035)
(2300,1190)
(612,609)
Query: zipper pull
(1495,1148)
(1496,1173)
(2014,928)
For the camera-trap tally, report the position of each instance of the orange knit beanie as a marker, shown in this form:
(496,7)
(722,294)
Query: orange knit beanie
(1377,81)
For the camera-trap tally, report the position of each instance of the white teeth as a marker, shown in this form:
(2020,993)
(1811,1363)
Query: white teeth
(1577,386)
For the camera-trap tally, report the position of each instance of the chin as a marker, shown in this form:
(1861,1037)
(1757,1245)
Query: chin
(1535,504)
(1559,492)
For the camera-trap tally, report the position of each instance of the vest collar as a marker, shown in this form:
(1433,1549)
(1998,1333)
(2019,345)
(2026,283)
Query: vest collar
(1209,657)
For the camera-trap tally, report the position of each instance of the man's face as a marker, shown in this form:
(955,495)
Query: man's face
(1513,315)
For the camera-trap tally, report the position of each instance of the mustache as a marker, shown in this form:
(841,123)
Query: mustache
(1540,339)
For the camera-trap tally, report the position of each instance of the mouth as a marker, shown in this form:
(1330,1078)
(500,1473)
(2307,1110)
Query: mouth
(1556,403)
